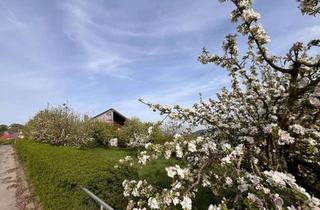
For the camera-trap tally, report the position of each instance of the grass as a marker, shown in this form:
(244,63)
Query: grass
(58,172)
(7,141)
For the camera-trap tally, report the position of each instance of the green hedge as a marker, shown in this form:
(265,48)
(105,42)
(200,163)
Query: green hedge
(7,141)
(58,172)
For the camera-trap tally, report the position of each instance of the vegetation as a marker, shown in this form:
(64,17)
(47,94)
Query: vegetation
(57,173)
(60,126)
(63,127)
(3,128)
(261,145)
(102,132)
(15,128)
(12,128)
(135,133)
(133,129)
(7,141)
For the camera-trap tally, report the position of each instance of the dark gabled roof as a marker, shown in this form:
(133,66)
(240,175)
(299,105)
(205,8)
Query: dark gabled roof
(111,109)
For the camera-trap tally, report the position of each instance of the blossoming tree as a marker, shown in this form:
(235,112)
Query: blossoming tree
(261,150)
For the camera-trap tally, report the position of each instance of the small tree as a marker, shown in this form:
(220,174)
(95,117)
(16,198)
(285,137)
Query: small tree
(102,132)
(261,148)
(3,128)
(16,128)
(134,133)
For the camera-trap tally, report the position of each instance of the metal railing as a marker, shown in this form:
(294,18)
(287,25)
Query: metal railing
(102,204)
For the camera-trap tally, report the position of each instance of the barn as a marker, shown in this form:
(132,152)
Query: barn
(112,117)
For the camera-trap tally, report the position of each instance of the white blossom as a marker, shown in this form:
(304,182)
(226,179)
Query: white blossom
(284,137)
(186,203)
(298,129)
(171,171)
(113,142)
(192,146)
(229,181)
(153,203)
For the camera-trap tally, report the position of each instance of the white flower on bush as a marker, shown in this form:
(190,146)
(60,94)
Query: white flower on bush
(113,142)
(153,203)
(179,152)
(226,160)
(192,146)
(268,128)
(175,201)
(167,154)
(249,15)
(247,126)
(147,145)
(229,181)
(242,185)
(314,203)
(177,170)
(284,137)
(171,171)
(186,203)
(277,200)
(214,207)
(150,129)
(279,179)
(298,129)
(143,157)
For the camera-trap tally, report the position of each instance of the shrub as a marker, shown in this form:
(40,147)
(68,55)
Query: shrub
(102,132)
(131,131)
(58,172)
(135,133)
(158,136)
(60,126)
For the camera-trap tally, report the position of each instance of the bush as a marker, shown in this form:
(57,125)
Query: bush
(60,126)
(58,172)
(134,132)
(132,129)
(102,132)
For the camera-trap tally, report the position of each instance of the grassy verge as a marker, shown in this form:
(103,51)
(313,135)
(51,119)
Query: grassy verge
(58,172)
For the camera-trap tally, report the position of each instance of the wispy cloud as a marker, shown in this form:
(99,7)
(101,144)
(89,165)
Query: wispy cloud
(112,41)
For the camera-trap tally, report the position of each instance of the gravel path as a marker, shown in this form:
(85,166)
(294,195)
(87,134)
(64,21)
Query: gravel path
(8,178)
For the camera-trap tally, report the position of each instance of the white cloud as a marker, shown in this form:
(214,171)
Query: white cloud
(111,39)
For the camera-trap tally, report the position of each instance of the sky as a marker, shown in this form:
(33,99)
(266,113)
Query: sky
(98,54)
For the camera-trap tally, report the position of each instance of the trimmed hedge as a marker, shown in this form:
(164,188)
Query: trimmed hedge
(58,172)
(7,141)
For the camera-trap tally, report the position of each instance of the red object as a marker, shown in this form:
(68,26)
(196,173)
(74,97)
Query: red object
(7,136)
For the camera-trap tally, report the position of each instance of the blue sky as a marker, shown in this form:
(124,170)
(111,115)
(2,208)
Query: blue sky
(98,54)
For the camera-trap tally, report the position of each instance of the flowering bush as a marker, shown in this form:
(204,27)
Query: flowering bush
(60,126)
(261,148)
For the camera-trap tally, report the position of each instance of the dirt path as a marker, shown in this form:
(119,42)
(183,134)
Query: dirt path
(8,178)
(14,189)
